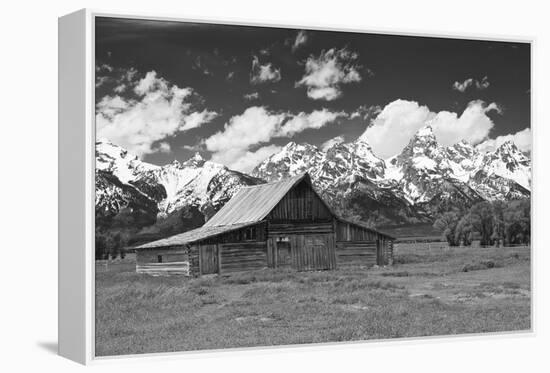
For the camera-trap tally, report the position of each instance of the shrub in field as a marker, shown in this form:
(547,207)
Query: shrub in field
(485,264)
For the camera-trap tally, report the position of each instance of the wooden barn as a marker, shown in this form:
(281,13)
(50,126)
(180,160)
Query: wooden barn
(280,224)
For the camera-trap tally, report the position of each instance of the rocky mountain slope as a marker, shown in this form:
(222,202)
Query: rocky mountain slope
(413,186)
(123,180)
(421,181)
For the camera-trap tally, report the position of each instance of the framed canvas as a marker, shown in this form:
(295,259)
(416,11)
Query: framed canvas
(227,186)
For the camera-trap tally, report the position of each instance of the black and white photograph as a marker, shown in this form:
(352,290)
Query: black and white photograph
(267,186)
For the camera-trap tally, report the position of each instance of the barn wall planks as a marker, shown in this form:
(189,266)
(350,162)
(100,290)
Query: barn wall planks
(271,247)
(163,262)
(298,227)
(243,256)
(350,232)
(313,252)
(356,252)
(208,254)
(259,231)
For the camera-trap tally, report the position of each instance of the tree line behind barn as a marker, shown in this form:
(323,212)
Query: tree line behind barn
(275,225)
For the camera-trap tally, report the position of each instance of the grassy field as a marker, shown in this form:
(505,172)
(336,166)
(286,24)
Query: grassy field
(431,290)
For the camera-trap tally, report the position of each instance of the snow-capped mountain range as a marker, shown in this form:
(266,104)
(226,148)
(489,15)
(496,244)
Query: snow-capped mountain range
(422,180)
(122,178)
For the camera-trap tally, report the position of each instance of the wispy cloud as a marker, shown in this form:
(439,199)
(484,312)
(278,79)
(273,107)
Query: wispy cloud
(324,75)
(251,96)
(471,82)
(263,73)
(301,39)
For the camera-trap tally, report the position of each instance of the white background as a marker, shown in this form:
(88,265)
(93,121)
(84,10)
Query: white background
(28,269)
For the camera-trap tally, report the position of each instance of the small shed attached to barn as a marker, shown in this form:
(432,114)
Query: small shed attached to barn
(280,224)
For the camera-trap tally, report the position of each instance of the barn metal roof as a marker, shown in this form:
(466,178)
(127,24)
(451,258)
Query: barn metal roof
(194,235)
(253,203)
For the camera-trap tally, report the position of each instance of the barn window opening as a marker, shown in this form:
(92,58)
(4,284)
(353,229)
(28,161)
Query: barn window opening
(159,258)
(250,234)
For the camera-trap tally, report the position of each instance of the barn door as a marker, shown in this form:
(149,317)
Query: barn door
(209,259)
(283,255)
(313,253)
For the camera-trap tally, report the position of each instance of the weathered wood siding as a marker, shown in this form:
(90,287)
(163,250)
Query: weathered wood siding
(242,256)
(351,232)
(356,252)
(313,252)
(356,244)
(298,227)
(385,252)
(240,250)
(300,203)
(239,235)
(173,261)
(208,259)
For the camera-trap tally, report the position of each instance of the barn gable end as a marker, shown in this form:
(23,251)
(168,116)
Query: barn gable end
(301,203)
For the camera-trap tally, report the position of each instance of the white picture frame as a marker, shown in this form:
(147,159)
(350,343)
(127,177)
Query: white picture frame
(76,173)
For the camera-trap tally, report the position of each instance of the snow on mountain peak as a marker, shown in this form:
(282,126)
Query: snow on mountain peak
(426,131)
(195,161)
(509,162)
(118,161)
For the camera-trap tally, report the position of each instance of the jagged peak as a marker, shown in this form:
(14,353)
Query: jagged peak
(175,163)
(197,157)
(464,142)
(293,146)
(106,147)
(507,145)
(425,131)
(195,161)
(361,140)
(290,145)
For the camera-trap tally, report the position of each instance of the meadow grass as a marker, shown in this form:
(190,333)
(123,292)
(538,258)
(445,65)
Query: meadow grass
(427,293)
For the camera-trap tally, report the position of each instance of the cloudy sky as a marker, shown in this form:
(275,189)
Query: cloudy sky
(165,90)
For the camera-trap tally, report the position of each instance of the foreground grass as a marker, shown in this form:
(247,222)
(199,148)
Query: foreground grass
(428,292)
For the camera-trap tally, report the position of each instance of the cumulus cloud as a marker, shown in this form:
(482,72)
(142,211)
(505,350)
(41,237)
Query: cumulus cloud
(263,73)
(397,123)
(301,39)
(302,121)
(332,142)
(256,126)
(164,147)
(247,161)
(158,111)
(479,84)
(522,139)
(325,74)
(120,88)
